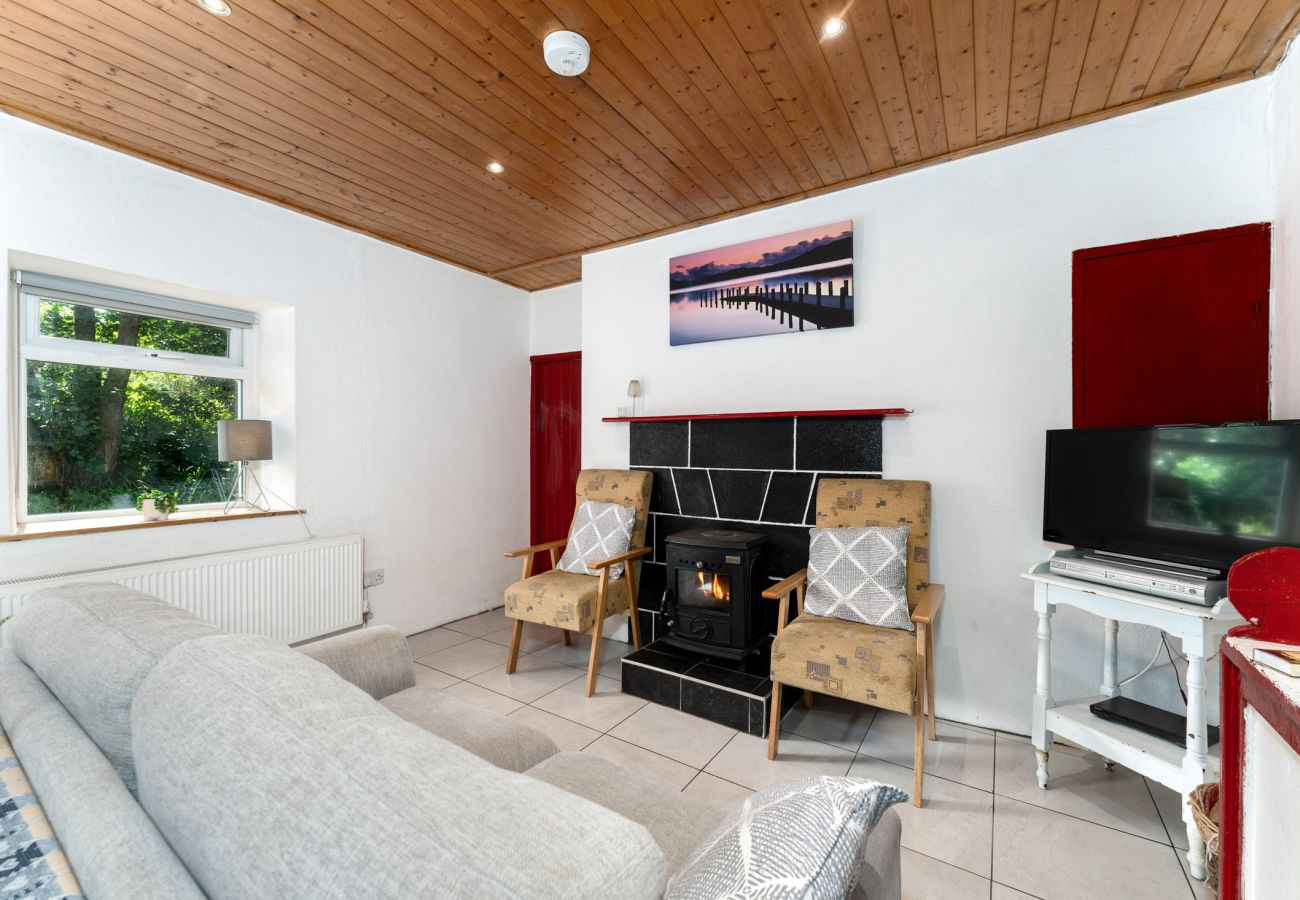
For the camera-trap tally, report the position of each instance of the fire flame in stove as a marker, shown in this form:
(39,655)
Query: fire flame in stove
(717,588)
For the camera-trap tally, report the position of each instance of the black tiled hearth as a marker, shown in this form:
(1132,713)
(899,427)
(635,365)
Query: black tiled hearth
(737,694)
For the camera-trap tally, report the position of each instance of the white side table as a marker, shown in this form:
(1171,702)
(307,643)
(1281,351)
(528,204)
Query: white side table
(1197,627)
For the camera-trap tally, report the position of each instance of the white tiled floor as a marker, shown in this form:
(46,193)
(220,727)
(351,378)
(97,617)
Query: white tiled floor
(986,830)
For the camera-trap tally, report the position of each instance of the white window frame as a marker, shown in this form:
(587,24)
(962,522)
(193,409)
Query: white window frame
(37,347)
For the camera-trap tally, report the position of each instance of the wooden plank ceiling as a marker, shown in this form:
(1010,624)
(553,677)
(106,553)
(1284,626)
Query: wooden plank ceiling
(381,114)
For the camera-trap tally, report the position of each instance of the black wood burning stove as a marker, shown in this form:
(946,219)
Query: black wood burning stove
(714,580)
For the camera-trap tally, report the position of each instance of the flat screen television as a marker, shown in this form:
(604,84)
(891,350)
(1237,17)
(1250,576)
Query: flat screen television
(1194,495)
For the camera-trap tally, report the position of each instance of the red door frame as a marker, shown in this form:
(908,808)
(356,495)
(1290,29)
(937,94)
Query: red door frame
(534,449)
(1261,230)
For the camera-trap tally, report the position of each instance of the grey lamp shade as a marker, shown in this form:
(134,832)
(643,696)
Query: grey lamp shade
(243,439)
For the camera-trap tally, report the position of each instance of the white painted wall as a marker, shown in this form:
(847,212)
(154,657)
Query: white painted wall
(402,415)
(964,315)
(1284,124)
(555,320)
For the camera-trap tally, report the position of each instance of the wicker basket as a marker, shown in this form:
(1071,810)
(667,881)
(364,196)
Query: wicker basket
(1204,801)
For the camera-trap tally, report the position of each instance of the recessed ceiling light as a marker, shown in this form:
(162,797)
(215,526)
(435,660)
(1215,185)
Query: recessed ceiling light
(216,7)
(833,27)
(495,167)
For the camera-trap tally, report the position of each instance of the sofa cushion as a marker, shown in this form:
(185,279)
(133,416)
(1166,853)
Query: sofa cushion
(92,645)
(377,660)
(678,823)
(115,850)
(501,741)
(272,777)
(797,840)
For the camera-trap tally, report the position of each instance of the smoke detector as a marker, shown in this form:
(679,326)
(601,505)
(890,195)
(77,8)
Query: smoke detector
(566,52)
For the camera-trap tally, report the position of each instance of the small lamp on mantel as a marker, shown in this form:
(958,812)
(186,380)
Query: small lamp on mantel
(244,441)
(634,391)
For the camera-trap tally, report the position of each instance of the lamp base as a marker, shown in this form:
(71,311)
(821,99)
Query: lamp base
(238,498)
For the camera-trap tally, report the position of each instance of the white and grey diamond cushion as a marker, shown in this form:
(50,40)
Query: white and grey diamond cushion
(599,531)
(798,839)
(859,574)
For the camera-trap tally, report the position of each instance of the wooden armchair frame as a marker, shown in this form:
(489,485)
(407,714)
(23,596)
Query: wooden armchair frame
(924,615)
(597,630)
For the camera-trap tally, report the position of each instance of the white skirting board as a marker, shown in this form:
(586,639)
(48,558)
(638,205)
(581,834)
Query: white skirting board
(288,592)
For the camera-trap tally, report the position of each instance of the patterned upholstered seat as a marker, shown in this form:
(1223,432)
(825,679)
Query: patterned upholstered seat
(885,667)
(563,599)
(859,662)
(576,602)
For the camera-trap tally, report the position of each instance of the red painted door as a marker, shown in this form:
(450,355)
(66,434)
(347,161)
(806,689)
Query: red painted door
(1172,330)
(556,442)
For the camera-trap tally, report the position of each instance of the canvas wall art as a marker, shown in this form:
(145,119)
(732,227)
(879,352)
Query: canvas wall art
(796,282)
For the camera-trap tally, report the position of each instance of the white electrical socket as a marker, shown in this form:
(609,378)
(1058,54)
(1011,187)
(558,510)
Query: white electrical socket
(372,578)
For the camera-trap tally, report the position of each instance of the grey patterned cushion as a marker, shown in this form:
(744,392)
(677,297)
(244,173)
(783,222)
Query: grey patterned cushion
(859,574)
(600,530)
(798,839)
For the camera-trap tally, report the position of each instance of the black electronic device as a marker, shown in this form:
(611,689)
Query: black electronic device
(1197,496)
(1149,719)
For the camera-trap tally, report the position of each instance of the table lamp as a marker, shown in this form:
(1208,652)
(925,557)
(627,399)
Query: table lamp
(244,441)
(634,391)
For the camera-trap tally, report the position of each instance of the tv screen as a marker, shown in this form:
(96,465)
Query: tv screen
(1196,495)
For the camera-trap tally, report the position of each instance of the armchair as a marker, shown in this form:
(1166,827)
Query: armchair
(574,602)
(884,667)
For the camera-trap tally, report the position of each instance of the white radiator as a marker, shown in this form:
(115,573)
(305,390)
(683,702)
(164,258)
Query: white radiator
(289,592)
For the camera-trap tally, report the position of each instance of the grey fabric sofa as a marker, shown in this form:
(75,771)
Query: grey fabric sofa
(177,761)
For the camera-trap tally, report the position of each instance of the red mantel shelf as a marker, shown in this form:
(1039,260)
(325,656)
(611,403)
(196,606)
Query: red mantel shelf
(801,414)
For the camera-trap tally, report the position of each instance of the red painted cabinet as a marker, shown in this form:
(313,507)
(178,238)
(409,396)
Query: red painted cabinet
(1172,330)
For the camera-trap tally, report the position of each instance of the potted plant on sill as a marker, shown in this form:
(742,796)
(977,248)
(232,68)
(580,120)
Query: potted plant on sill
(156,505)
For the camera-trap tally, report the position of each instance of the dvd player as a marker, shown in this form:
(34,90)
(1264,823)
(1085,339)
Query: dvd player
(1199,586)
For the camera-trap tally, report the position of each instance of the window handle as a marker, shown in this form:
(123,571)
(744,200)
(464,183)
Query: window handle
(155,355)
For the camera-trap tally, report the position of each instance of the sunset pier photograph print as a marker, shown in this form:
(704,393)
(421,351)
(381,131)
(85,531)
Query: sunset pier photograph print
(795,282)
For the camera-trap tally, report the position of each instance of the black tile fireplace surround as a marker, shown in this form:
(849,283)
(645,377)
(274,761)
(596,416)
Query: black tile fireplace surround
(745,475)
(751,475)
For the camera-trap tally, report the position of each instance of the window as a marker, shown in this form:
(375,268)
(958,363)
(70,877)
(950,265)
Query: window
(121,391)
